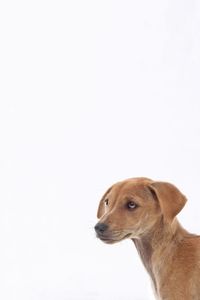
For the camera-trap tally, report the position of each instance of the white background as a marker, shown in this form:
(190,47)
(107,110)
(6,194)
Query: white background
(92,92)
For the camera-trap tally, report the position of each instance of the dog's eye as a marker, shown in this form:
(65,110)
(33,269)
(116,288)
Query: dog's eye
(131,205)
(106,202)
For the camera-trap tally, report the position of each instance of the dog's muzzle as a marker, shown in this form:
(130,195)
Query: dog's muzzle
(100,228)
(103,233)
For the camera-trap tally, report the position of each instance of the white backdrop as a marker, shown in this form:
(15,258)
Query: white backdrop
(92,92)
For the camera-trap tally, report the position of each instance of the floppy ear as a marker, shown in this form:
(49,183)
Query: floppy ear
(101,208)
(171,200)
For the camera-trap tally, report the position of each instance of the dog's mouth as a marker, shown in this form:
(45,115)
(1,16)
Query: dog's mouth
(113,238)
(108,240)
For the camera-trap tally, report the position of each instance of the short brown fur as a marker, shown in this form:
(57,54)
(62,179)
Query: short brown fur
(170,254)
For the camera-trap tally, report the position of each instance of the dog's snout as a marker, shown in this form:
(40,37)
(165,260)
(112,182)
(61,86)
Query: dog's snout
(100,228)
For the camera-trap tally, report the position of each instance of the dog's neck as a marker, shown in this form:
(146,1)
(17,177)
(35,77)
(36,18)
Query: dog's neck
(155,247)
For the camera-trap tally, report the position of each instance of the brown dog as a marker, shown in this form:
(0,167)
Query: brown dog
(145,211)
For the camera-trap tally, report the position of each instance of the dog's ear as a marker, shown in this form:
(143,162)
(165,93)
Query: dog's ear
(101,208)
(170,199)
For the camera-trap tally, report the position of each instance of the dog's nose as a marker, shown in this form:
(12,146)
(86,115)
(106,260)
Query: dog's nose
(100,228)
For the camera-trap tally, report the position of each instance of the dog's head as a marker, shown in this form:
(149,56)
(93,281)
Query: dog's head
(130,209)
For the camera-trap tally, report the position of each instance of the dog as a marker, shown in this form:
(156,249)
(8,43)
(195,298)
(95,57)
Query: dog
(145,211)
